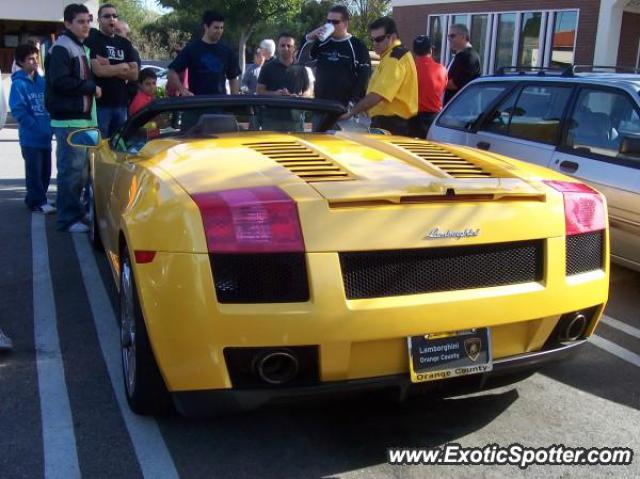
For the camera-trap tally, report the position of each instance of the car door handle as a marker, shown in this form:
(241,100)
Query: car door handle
(569,166)
(483,145)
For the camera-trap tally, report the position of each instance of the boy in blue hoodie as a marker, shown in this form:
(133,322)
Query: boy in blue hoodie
(26,101)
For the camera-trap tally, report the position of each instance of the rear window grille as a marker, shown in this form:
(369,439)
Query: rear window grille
(446,161)
(301,160)
(585,252)
(260,277)
(376,274)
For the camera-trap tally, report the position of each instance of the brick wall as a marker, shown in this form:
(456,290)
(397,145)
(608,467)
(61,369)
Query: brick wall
(412,20)
(629,36)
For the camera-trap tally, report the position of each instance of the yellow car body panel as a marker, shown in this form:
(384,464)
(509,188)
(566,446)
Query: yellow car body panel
(392,201)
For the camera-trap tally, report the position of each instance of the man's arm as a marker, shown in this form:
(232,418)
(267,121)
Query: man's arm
(368,102)
(19,105)
(108,71)
(131,57)
(233,74)
(261,89)
(174,80)
(234,86)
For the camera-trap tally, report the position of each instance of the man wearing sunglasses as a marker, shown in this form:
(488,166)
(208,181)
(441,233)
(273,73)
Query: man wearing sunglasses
(342,61)
(113,61)
(465,66)
(392,96)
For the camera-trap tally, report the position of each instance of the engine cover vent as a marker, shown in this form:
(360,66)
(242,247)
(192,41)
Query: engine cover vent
(302,161)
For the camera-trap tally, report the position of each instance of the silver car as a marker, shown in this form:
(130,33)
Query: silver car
(583,125)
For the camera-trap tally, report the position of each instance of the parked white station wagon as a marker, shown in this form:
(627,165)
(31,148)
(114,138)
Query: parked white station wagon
(586,125)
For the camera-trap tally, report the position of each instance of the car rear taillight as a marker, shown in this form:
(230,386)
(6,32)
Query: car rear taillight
(250,220)
(584,208)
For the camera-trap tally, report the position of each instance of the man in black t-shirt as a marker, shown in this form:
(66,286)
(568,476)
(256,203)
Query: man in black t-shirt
(281,76)
(209,61)
(465,65)
(342,61)
(113,62)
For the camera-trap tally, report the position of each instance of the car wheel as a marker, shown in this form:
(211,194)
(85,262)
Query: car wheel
(144,386)
(94,233)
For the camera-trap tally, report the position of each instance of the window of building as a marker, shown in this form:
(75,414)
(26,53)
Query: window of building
(460,19)
(605,123)
(529,51)
(505,40)
(479,35)
(563,40)
(435,31)
(533,38)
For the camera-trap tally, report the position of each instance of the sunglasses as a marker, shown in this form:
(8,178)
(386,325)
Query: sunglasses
(109,15)
(334,22)
(379,39)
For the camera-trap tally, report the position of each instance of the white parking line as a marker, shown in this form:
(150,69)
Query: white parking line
(619,325)
(616,350)
(58,435)
(152,453)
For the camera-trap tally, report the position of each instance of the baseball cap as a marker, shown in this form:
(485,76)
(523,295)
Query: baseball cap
(422,45)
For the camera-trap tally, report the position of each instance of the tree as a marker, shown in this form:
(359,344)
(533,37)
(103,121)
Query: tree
(363,12)
(243,17)
(133,12)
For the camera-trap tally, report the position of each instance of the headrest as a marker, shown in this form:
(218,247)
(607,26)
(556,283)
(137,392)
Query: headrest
(210,124)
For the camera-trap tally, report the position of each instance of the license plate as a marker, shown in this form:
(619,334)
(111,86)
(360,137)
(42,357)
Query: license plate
(442,356)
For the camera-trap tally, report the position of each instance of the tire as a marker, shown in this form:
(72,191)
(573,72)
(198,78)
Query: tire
(94,232)
(144,387)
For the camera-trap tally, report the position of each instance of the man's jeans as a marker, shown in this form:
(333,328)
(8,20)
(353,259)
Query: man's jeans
(72,176)
(37,168)
(110,119)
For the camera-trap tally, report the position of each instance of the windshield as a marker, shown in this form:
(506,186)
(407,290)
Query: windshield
(213,119)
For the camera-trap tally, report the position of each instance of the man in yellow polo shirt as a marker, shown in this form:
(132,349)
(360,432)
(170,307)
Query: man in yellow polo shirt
(392,95)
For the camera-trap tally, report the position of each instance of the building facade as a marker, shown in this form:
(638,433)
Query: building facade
(535,33)
(32,20)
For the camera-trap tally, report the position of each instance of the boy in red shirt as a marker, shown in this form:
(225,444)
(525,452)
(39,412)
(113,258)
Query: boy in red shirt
(146,91)
(432,82)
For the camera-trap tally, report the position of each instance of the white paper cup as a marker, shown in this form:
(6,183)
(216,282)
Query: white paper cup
(326,33)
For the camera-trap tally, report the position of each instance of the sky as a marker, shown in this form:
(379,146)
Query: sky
(153,5)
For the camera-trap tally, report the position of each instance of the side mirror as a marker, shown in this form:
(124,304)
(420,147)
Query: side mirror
(630,146)
(87,137)
(379,131)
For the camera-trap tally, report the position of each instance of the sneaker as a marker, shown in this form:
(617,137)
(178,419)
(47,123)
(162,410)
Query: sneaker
(5,343)
(78,227)
(45,209)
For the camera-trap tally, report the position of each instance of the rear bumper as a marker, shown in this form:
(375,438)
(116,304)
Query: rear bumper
(505,371)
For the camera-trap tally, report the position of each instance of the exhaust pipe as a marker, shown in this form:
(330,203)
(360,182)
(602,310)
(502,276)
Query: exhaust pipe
(277,367)
(573,327)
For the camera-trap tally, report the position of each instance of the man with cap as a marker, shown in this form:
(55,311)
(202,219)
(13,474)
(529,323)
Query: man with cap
(432,82)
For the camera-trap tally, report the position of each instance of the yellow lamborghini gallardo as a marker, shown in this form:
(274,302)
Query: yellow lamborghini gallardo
(262,253)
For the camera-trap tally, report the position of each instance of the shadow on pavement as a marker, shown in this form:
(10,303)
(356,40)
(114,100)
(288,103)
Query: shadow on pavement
(326,439)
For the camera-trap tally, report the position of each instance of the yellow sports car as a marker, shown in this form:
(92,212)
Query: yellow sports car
(262,255)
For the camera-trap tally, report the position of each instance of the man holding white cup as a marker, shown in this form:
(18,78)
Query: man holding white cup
(343,64)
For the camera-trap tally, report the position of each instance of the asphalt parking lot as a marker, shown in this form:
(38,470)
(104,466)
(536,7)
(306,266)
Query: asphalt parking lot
(63,412)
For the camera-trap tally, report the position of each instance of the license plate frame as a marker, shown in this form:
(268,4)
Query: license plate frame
(434,357)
